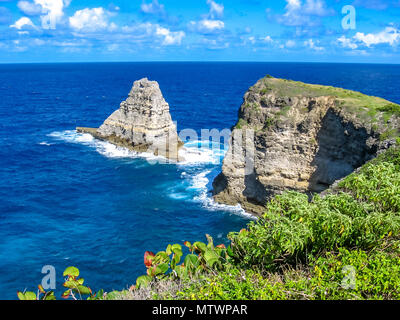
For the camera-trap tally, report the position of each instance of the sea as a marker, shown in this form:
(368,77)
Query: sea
(67,199)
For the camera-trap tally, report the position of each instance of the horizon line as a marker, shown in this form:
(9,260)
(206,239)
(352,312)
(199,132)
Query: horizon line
(196,61)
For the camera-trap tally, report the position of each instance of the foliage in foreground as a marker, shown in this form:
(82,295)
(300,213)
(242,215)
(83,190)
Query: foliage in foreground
(344,245)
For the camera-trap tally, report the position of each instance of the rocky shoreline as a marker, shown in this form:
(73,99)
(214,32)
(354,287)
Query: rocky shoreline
(289,136)
(305,137)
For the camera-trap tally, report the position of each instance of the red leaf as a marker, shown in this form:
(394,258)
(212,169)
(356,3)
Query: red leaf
(148,257)
(221,246)
(65,297)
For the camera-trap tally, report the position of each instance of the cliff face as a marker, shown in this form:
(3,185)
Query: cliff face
(295,136)
(142,123)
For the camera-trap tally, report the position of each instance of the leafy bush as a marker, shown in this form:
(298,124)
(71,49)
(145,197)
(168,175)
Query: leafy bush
(362,213)
(74,285)
(201,259)
(299,249)
(376,276)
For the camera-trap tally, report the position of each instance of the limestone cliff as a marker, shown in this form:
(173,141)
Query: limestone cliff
(296,136)
(142,123)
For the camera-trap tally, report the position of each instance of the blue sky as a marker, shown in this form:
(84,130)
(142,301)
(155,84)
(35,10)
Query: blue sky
(198,30)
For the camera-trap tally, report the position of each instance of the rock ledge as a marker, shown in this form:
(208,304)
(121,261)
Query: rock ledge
(143,123)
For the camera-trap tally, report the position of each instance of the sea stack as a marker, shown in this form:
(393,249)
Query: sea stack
(143,123)
(301,137)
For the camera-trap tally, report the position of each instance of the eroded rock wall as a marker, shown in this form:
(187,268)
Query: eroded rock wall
(302,143)
(142,123)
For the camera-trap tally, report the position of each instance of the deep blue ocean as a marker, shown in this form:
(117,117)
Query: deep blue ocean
(67,199)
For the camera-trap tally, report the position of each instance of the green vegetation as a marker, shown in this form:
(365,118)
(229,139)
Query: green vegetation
(371,110)
(241,123)
(344,245)
(75,289)
(390,108)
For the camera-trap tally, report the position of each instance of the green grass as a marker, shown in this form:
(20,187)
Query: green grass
(369,109)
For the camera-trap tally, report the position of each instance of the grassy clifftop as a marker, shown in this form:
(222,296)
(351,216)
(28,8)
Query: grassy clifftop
(376,113)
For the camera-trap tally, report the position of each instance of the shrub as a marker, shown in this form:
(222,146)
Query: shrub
(364,211)
(346,274)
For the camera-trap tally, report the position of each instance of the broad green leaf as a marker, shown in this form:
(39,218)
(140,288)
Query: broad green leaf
(30,295)
(161,257)
(20,295)
(71,284)
(71,271)
(161,269)
(83,290)
(176,247)
(49,296)
(143,281)
(200,246)
(211,257)
(191,261)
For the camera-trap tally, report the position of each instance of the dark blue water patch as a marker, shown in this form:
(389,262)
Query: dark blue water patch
(67,201)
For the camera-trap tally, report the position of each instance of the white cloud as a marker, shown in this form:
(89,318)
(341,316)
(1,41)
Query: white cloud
(140,29)
(53,11)
(90,20)
(153,7)
(311,44)
(30,8)
(316,8)
(390,36)
(215,44)
(39,42)
(347,43)
(290,44)
(208,26)
(267,39)
(23,22)
(170,38)
(211,22)
(216,9)
(212,25)
(299,14)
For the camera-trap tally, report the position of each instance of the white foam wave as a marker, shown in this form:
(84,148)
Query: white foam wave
(195,153)
(202,152)
(44,143)
(104,148)
(200,182)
